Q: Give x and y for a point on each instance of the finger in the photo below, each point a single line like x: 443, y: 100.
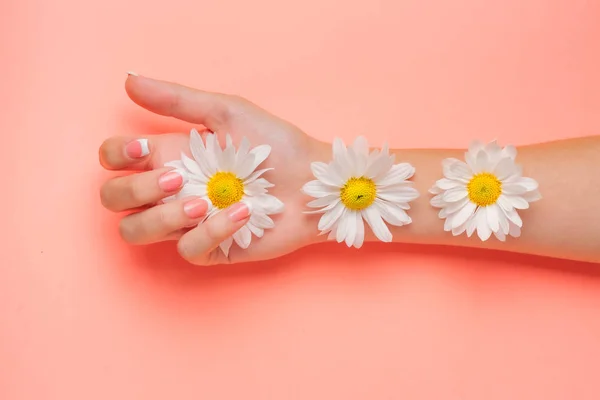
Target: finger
x: 120, y: 152
x: 157, y: 223
x: 137, y: 190
x: 212, y: 110
x: 196, y: 244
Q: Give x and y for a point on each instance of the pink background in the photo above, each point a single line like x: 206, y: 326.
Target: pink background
x: 84, y: 316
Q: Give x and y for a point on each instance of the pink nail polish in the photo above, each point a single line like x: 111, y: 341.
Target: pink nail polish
x: 138, y: 148
x: 239, y: 212
x: 195, y: 208
x: 171, y: 181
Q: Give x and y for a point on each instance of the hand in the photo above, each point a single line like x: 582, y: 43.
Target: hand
x: 142, y: 191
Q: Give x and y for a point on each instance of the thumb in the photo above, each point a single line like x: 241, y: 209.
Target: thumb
x: 173, y: 100
x: 196, y: 245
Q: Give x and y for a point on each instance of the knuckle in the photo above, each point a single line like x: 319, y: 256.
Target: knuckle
x: 105, y: 196
x: 185, y: 249
x: 135, y: 190
x: 127, y: 231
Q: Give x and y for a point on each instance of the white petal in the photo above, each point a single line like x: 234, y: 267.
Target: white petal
x: 493, y: 152
x: 192, y: 189
x: 319, y: 189
x: 503, y: 221
x: 392, y: 215
x: 361, y: 146
x: 245, y: 167
x: 458, y: 171
x: 435, y: 190
x: 475, y: 146
x: 268, y: 204
x: 213, y: 151
x: 517, y: 202
x: 323, y: 201
x: 530, y: 197
x: 340, y: 155
x: 483, y: 230
x: 471, y: 225
x: 331, y: 217
x: 243, y: 237
x: 322, y: 172
x: 505, y: 168
x: 447, y: 184
x: 513, y: 189
x: 261, y: 220
x: 243, y: 148
x: 226, y: 245
x: 455, y: 194
x: 199, y: 153
x: 529, y: 183
x: 500, y: 235
x: 463, y: 215
x: 514, y: 231
x: 493, y: 217
x: 228, y: 159
x: 381, y: 165
x: 360, y: 231
x: 350, y: 227
x: 191, y: 165
x: 255, y: 189
x: 377, y: 225
x: 451, y: 208
x: 255, y: 175
x: 438, y: 201
x: 342, y: 227
x: 258, y: 232
x: 513, y: 216
x: 510, y: 152
x: 178, y: 164
x: 260, y: 154
x: 397, y: 174
x: 481, y: 162
x: 461, y: 228
x: 403, y: 195
x: 330, y: 206
x: 357, y: 162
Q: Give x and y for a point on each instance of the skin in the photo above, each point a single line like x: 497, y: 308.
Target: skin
x: 564, y: 224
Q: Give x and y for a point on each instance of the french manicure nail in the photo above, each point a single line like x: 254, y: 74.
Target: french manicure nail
x: 195, y: 208
x: 132, y: 73
x: 239, y: 211
x: 138, y: 148
x: 171, y: 181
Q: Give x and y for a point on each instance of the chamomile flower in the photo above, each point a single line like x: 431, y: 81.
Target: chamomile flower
x: 356, y: 185
x: 484, y: 193
x: 224, y: 177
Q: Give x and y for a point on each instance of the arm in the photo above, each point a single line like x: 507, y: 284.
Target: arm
x: 565, y: 223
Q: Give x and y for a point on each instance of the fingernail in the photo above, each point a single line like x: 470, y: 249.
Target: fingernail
x: 132, y: 73
x: 171, y: 181
x: 239, y: 211
x: 195, y: 208
x: 138, y: 148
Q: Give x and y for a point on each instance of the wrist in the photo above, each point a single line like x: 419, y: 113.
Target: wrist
x: 425, y: 227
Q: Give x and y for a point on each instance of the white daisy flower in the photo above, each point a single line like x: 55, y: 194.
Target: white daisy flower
x: 224, y: 177
x: 484, y: 193
x: 357, y: 184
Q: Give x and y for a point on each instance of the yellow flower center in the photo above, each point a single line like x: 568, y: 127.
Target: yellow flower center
x: 224, y: 189
x: 358, y: 193
x: 484, y: 189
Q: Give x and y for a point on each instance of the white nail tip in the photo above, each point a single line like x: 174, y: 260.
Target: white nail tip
x: 184, y: 175
x: 132, y: 73
x: 145, y: 147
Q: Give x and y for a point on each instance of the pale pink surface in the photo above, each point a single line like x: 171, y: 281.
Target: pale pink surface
x: 84, y: 316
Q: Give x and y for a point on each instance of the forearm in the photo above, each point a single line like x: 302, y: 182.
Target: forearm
x: 565, y: 223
